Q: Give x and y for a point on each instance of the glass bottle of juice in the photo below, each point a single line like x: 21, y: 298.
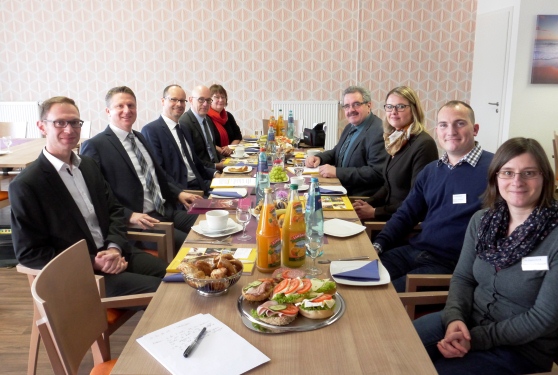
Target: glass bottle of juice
x: 268, y: 236
x: 293, y: 252
x: 280, y: 128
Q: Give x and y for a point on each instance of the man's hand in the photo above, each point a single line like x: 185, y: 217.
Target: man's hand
x: 457, y: 341
x: 219, y: 166
x: 328, y: 171
x: 142, y: 220
x: 313, y: 161
x: 364, y: 210
x: 110, y: 261
x: 187, y: 198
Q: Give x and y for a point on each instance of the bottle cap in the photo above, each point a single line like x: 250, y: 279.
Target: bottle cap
x: 314, y: 179
x: 268, y: 190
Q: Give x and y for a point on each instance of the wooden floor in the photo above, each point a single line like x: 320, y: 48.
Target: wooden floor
x: 16, y: 313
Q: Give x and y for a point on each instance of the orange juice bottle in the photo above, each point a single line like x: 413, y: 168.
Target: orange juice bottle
x: 293, y: 252
x: 280, y: 129
x: 268, y: 236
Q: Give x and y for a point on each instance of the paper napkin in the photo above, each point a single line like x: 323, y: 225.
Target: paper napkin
x: 369, y: 272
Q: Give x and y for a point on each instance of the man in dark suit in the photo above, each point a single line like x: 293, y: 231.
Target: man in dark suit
x: 359, y: 156
x: 173, y: 146
x: 127, y: 163
x: 61, y: 198
x: 201, y: 127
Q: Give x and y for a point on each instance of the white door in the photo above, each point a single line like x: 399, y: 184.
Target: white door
x: 490, y: 70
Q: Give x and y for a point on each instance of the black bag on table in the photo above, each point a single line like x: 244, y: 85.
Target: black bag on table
x: 315, y: 137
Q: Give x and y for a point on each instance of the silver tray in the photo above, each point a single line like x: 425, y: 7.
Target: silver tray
x: 300, y: 324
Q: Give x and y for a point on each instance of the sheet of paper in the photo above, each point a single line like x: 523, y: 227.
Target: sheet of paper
x: 230, y: 182
x: 242, y: 252
x: 235, y: 355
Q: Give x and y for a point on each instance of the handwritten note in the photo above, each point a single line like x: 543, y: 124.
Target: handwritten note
x: 167, y: 345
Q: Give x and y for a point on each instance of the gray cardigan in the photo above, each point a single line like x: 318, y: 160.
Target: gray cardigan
x: 523, y: 304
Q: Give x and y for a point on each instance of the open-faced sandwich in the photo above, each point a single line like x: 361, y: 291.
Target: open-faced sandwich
x: 291, y: 290
x: 258, y: 290
x: 274, y: 313
x: 243, y: 168
x: 319, y: 307
x: 287, y: 273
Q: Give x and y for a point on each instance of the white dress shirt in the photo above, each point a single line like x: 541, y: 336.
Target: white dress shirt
x: 172, y: 127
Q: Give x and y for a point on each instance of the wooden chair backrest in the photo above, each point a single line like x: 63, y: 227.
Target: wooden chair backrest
x: 72, y: 315
x: 16, y: 129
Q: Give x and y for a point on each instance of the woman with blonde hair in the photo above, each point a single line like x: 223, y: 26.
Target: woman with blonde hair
x: 410, y: 148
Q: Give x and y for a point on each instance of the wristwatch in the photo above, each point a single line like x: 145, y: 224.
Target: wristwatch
x: 378, y: 247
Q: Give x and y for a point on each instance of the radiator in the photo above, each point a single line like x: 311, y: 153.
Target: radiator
x: 22, y: 111
x: 311, y: 113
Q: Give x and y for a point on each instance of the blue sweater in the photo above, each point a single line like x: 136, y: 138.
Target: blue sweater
x: 431, y: 202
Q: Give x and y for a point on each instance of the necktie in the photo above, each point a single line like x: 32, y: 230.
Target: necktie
x: 185, y: 152
x: 208, y: 141
x: 151, y: 188
x: 343, y: 151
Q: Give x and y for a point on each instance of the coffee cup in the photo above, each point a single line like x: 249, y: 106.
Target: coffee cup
x: 298, y: 180
x: 217, y: 219
x: 312, y: 152
x: 239, y: 151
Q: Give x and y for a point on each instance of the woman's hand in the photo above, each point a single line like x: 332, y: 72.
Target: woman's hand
x: 226, y: 151
x: 457, y: 341
x: 364, y: 210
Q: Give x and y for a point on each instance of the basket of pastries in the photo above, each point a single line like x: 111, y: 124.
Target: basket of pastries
x: 211, y: 275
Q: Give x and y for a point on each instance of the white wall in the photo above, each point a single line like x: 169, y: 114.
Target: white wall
x: 533, y: 111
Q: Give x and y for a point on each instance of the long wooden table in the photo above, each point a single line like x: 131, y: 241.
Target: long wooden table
x: 22, y: 155
x: 374, y: 336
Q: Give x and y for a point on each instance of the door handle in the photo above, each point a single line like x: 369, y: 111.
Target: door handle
x: 496, y: 104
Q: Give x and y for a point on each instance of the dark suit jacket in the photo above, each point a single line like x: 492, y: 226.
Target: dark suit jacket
x: 190, y: 124
x: 107, y: 150
x: 46, y: 219
x: 363, y: 175
x: 400, y: 173
x: 168, y: 155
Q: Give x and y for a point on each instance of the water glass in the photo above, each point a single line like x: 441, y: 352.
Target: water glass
x: 243, y: 216
x: 314, y: 242
x: 296, y: 141
x: 7, y: 142
x: 299, y: 167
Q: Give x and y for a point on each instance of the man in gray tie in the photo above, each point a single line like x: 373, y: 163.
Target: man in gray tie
x: 172, y: 144
x: 127, y: 163
x: 201, y: 127
x: 359, y: 157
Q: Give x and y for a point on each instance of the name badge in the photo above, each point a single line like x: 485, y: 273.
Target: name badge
x: 459, y: 198
x: 534, y: 263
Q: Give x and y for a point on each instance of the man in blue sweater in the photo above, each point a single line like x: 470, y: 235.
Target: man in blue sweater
x: 445, y: 196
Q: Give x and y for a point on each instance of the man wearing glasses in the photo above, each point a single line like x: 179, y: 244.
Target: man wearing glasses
x: 359, y: 156
x: 62, y: 198
x: 446, y: 194
x: 173, y: 146
x: 196, y: 121
x: 130, y: 168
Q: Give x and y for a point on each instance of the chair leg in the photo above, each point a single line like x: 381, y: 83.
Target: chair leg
x: 35, y: 343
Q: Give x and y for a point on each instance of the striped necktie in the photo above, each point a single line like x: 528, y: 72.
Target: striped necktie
x: 151, y: 187
x: 343, y: 151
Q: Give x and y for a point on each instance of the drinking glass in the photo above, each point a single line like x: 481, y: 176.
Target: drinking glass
x: 8, y: 142
x: 258, y: 133
x: 296, y: 141
x: 243, y: 216
x: 314, y: 242
x: 298, y: 167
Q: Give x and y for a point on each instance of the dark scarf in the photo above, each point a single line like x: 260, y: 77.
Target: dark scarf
x: 502, y: 251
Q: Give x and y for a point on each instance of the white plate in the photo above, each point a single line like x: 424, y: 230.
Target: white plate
x: 231, y: 228
x: 227, y: 170
x: 344, y: 266
x: 4, y: 152
x: 303, y: 187
x: 342, y: 228
x: 245, y: 156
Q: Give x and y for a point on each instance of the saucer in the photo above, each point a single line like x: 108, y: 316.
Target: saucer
x: 239, y: 157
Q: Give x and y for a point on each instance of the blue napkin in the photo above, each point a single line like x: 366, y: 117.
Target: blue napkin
x: 251, y: 149
x: 227, y: 194
x: 174, y: 278
x: 329, y: 192
x: 369, y: 272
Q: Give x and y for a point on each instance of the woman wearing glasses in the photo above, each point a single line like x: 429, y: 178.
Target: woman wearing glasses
x: 409, y: 148
x: 501, y: 316
x: 228, y: 132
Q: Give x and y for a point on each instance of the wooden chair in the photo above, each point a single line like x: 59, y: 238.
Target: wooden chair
x: 414, y: 296
x: 115, y: 317
x: 72, y: 316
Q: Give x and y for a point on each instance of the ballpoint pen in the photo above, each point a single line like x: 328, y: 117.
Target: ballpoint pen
x: 193, y: 345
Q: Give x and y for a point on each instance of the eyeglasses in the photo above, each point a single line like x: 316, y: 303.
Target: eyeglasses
x: 216, y: 97
x: 525, y: 175
x: 398, y: 107
x: 201, y: 100
x: 63, y: 123
x: 174, y: 100
x: 354, y: 105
